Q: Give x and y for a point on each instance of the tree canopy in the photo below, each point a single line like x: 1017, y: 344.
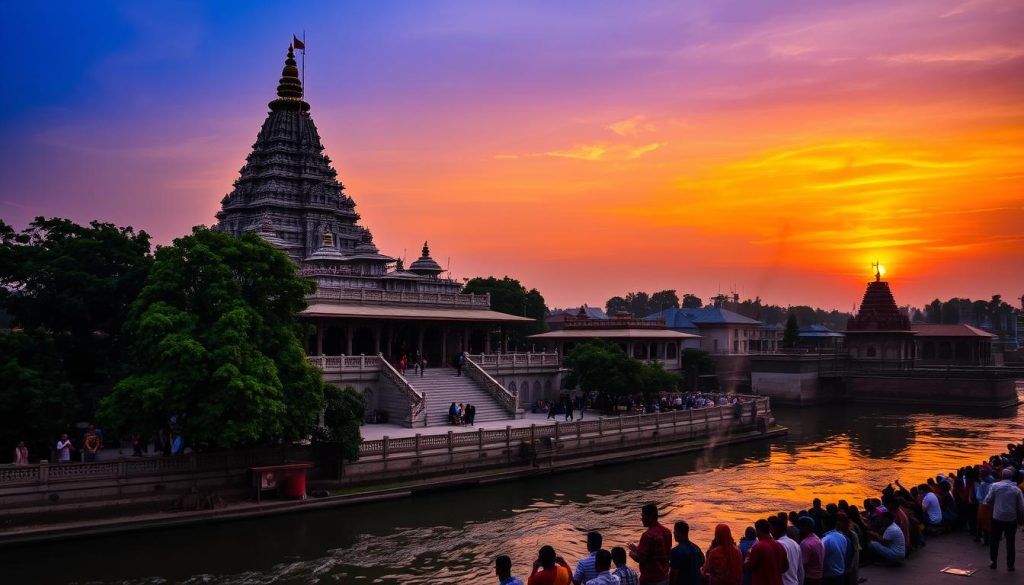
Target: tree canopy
x: 601, y: 366
x: 217, y: 346
x: 74, y: 283
x: 344, y: 412
x: 38, y: 402
x: 791, y: 335
x: 508, y: 295
x: 641, y: 304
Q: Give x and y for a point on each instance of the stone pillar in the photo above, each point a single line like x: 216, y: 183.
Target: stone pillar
x: 349, y: 333
x: 465, y: 339
x: 420, y: 331
x: 320, y: 327
x: 487, y: 341
x: 390, y: 339
x: 376, y: 339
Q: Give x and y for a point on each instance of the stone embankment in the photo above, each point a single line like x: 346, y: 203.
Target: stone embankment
x: 46, y: 502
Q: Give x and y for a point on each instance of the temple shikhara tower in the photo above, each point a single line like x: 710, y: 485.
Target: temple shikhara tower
x: 879, y: 334
x: 367, y: 303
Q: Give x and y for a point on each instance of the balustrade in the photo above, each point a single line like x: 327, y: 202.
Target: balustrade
x: 688, y: 423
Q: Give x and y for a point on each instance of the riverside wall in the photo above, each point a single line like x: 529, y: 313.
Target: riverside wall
x: 419, y: 457
x: 59, y: 493
x: 814, y: 379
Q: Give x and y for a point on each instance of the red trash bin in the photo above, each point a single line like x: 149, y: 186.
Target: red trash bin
x: 295, y: 486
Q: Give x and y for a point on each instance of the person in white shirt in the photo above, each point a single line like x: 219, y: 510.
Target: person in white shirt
x: 930, y: 503
x: 794, y: 575
x: 891, y: 546
x: 1007, y: 511
x: 64, y: 449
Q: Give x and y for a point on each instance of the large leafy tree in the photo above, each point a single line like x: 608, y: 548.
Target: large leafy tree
x: 38, y: 402
x: 217, y: 346
x: 74, y: 283
x: 508, y: 295
x: 601, y: 366
x: 338, y: 438
x: 791, y: 335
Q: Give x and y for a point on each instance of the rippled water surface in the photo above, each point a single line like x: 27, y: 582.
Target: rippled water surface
x: 452, y: 537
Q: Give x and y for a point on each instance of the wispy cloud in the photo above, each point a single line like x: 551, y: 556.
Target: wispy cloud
x: 631, y: 126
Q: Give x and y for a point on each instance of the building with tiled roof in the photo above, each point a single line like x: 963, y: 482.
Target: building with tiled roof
x: 952, y: 344
x: 721, y: 331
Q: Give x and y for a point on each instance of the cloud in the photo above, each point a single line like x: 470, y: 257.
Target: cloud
x: 992, y: 54
x: 631, y: 126
x: 603, y: 149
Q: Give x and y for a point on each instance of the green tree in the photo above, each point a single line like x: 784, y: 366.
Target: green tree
x: 38, y: 402
x: 217, y: 345
x: 508, y: 295
x: 933, y: 311
x: 75, y: 283
x: 338, y: 438
x: 600, y: 366
x: 691, y: 301
x: 661, y: 300
x: 791, y: 335
x: 614, y: 305
x: 638, y: 304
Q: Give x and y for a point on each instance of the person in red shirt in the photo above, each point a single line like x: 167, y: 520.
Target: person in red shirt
x: 766, y: 560
x: 652, y: 554
x: 550, y: 569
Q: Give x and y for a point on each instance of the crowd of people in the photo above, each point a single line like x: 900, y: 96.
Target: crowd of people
x: 461, y: 414
x: 822, y: 545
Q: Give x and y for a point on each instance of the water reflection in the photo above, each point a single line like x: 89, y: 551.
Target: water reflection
x: 453, y: 536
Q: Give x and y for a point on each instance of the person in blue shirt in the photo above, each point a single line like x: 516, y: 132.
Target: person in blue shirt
x: 585, y: 569
x: 836, y: 546
x: 686, y: 558
x: 503, y: 569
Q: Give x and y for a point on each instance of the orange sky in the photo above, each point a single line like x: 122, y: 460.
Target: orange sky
x: 775, y: 152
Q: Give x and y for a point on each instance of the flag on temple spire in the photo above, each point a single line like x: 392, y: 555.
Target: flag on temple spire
x: 298, y: 44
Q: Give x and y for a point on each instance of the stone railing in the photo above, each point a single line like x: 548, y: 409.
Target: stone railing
x: 346, y: 363
x: 377, y: 297
x: 687, y: 422
x: 48, y: 473
x: 508, y: 400
x: 417, y: 401
x: 505, y: 361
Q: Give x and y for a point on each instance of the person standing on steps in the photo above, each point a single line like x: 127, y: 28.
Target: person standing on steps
x: 460, y: 360
x: 470, y: 414
x: 423, y: 365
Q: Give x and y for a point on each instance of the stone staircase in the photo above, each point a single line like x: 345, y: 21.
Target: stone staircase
x: 443, y: 387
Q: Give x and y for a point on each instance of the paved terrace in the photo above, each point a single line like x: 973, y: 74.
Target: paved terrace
x: 373, y: 432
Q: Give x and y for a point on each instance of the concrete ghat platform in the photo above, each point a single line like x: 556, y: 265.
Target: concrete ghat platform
x: 246, y: 510
x: 957, y: 550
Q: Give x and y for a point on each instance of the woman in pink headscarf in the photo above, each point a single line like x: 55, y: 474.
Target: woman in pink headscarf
x: 724, y: 564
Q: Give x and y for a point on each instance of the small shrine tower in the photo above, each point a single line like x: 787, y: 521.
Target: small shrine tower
x: 879, y: 336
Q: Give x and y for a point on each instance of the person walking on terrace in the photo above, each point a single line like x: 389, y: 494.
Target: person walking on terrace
x: 1007, y: 512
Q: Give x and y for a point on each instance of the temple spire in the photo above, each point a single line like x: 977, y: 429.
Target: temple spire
x: 289, y: 88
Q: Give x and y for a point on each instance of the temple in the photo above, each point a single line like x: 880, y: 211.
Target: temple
x: 367, y: 304
x: 879, y: 335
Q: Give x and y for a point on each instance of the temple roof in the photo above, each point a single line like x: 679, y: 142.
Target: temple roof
x: 408, y: 312
x: 610, y: 333
x: 949, y: 330
x: 694, y: 318
x: 289, y: 89
x: 425, y: 265
x: 878, y: 311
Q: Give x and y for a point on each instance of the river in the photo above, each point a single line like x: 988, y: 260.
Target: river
x: 831, y: 452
